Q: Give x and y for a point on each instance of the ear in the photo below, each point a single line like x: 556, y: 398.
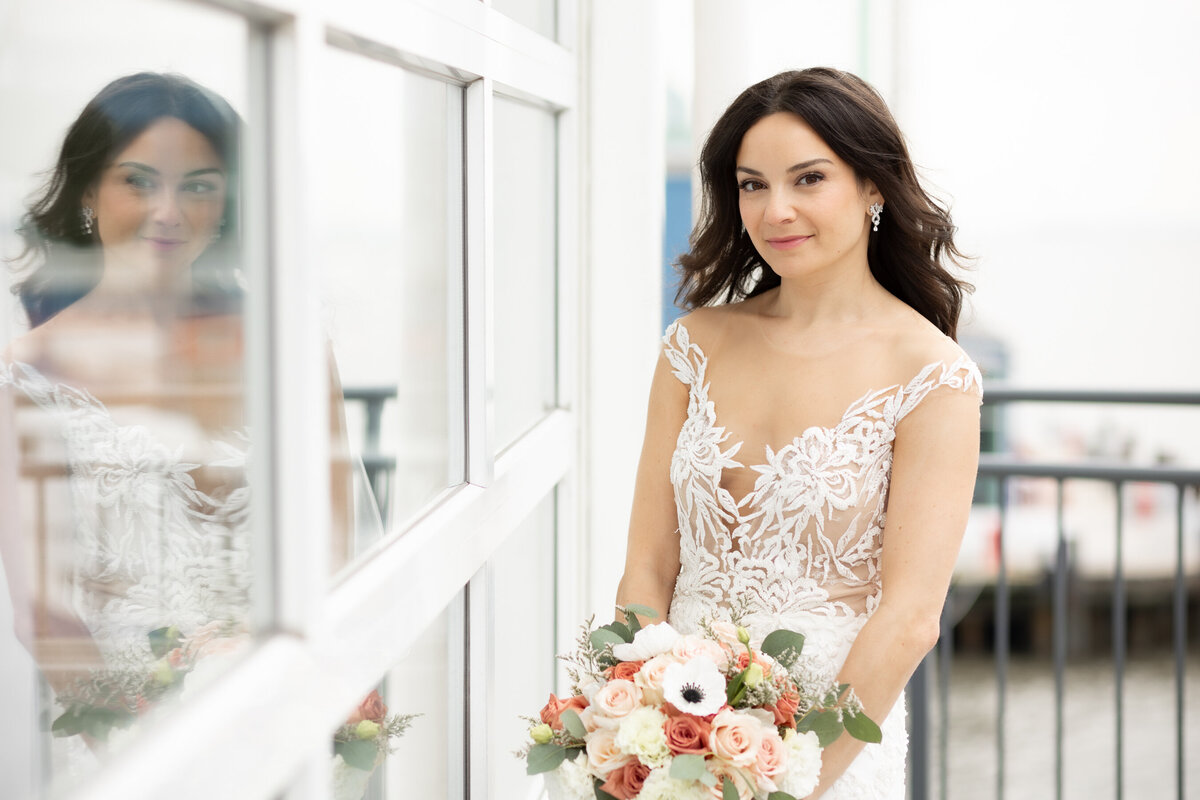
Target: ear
x: 871, y: 192
x: 88, y: 198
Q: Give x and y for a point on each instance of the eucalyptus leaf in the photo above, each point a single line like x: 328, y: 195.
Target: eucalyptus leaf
x: 736, y: 689
x: 862, y: 727
x: 573, y: 753
x: 573, y: 724
x: 640, y: 610
x: 620, y: 629
x: 783, y: 646
x: 544, y: 757
x: 67, y: 723
x: 602, y: 637
x: 360, y: 754
x: 780, y: 796
x: 825, y: 724
x: 634, y: 623
x: 728, y: 792
x: 688, y: 767
x: 163, y: 640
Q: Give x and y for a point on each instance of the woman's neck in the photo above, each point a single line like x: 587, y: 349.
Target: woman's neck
x: 837, y: 296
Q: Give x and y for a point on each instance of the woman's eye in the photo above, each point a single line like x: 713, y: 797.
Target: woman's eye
x: 810, y: 179
x: 750, y: 185
x: 199, y: 187
x: 139, y: 181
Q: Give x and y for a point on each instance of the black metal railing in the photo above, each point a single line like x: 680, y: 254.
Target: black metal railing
x: 1003, y: 470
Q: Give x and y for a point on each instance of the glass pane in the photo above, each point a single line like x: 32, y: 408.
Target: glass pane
x: 525, y: 285
x: 126, y: 528
x: 540, y: 15
x: 413, y: 719
x: 388, y: 189
x: 523, y: 581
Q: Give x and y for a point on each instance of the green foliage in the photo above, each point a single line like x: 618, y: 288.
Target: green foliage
x: 600, y: 793
x: 93, y: 721
x: 780, y: 796
x: 728, y: 792
x: 826, y: 724
x: 544, y: 757
x: 736, y: 689
x: 620, y: 629
x: 360, y: 754
x: 784, y: 646
x: 690, y: 767
x: 862, y: 727
x: 604, y: 637
x: 164, y: 640
x: 573, y: 724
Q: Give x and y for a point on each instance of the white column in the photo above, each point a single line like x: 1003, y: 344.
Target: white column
x: 623, y: 165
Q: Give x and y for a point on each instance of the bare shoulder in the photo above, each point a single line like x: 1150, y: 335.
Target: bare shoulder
x: 712, y: 326
x: 915, y: 343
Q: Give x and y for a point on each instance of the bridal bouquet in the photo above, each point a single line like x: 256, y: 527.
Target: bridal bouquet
x: 654, y: 714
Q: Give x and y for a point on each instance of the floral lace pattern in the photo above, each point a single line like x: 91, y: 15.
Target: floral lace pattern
x: 803, y: 547
x: 149, y: 548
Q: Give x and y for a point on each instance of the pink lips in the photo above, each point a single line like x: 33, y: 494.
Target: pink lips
x: 788, y: 242
x: 164, y: 245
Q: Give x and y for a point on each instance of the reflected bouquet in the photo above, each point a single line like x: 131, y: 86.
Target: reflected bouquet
x: 656, y: 714
x: 362, y: 742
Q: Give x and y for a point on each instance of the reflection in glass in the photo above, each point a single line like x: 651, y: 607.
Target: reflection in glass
x: 525, y: 283
x: 523, y: 582
x: 389, y: 195
x: 125, y: 533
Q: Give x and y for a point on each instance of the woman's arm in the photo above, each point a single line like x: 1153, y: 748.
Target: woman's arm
x: 652, y: 553
x: 935, y: 457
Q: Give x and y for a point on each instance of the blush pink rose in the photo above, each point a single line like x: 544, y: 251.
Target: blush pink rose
x: 626, y: 782
x: 551, y: 713
x: 602, y: 752
x: 736, y: 737
x: 785, y: 708
x: 721, y: 770
x: 650, y: 676
x: 772, y: 755
x: 726, y: 632
x: 688, y: 647
x: 372, y: 708
x: 617, y: 698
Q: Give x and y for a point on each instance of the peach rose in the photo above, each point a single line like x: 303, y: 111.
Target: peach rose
x: 623, y: 670
x: 735, y: 737
x: 687, y: 734
x: 721, y: 770
x: 371, y: 708
x: 617, y: 698
x: 649, y: 678
x: 551, y: 713
x: 743, y: 661
x: 602, y: 752
x: 785, y: 709
x: 688, y: 647
x: 726, y: 632
x: 772, y: 755
x: 625, y: 782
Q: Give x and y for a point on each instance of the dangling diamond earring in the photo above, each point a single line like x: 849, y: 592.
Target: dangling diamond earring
x: 89, y: 218
x: 876, y: 210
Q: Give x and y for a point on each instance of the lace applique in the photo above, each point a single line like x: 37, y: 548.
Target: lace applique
x: 808, y: 536
x: 150, y: 549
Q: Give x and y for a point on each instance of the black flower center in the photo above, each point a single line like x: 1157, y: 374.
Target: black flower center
x: 691, y: 693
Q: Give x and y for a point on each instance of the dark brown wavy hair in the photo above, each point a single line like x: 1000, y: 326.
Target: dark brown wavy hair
x: 64, y: 261
x: 907, y: 255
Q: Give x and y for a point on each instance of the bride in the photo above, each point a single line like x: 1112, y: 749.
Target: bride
x: 813, y: 427
x: 123, y: 434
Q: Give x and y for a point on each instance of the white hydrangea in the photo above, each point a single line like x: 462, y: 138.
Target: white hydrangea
x: 641, y: 734
x: 660, y: 785
x: 803, y: 764
x: 571, y: 781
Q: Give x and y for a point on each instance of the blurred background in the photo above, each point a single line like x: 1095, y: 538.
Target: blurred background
x: 475, y: 206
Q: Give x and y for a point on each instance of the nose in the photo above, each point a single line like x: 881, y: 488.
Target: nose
x: 779, y: 208
x: 166, y: 211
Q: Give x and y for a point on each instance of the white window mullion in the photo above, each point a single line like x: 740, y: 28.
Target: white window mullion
x: 478, y: 283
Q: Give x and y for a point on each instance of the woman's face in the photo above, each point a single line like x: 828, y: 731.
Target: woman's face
x: 159, y: 202
x: 803, y: 207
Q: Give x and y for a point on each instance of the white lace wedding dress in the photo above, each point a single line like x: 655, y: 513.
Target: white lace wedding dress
x: 803, y: 548
x: 140, y: 545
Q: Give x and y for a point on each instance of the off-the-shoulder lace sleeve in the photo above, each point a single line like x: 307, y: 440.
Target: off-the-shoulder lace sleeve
x: 961, y: 375
x: 687, y: 360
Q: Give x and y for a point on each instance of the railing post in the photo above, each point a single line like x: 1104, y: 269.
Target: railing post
x: 918, y: 732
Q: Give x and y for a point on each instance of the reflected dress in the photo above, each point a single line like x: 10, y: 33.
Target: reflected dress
x: 801, y: 550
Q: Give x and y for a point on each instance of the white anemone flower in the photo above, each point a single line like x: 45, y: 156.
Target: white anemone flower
x: 648, y: 642
x: 696, y: 687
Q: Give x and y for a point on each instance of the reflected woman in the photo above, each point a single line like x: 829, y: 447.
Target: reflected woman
x: 124, y: 403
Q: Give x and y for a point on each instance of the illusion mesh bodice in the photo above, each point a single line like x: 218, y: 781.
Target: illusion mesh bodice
x: 147, y: 548
x: 802, y: 549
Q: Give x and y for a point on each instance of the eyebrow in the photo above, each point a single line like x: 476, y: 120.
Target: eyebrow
x: 794, y: 168
x: 153, y: 171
